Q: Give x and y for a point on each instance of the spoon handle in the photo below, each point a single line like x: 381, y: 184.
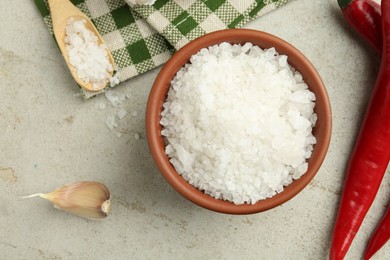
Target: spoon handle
x: 61, y: 10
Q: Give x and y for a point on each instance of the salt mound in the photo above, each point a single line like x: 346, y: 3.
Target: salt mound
x: 238, y: 122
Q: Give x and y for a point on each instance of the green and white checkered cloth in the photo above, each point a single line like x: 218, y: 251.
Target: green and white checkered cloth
x: 142, y: 37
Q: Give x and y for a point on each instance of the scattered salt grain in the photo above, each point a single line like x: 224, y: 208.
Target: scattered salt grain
x: 121, y: 113
x: 137, y: 136
x: 114, y: 80
x: 110, y: 122
x: 238, y: 122
x: 88, y: 57
x: 134, y: 113
x: 114, y: 100
x: 102, y: 106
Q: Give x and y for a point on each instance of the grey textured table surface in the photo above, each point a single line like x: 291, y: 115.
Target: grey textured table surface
x: 50, y: 136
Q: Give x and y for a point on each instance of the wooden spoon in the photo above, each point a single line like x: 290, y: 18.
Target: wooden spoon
x: 61, y: 12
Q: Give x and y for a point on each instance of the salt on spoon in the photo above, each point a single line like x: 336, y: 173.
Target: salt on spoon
x: 64, y: 12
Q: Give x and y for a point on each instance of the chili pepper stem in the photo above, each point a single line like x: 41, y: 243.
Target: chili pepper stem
x: 364, y: 16
x: 344, y: 3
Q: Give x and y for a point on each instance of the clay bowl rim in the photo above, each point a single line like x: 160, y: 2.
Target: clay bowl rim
x: 158, y: 95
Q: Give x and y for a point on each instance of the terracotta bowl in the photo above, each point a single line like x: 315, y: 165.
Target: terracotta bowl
x: 322, y: 130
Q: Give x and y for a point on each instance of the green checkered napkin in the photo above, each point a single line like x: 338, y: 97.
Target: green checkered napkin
x: 142, y: 37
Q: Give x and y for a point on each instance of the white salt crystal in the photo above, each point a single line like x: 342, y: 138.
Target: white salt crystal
x: 169, y: 149
x: 164, y: 121
x: 102, y: 106
x: 137, y: 136
x: 238, y: 122
x: 121, y: 113
x: 246, y: 47
x: 134, y: 113
x: 110, y: 122
x: 298, y: 77
x: 300, y: 170
x: 114, y: 100
x: 165, y: 132
x: 114, y: 80
x: 282, y: 61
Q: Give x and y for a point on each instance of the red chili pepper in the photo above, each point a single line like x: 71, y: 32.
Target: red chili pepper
x: 370, y: 157
x: 365, y: 17
x: 380, y: 237
x: 371, y: 31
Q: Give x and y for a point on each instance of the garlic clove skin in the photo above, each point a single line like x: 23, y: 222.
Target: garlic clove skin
x: 86, y: 199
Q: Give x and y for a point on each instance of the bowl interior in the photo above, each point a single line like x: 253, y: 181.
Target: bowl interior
x: 322, y: 130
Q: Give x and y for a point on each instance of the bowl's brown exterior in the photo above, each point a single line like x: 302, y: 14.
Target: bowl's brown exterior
x: 322, y: 130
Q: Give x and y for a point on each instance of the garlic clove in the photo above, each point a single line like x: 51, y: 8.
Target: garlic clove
x: 86, y: 199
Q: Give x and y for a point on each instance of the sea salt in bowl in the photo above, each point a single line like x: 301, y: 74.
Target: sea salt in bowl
x: 158, y: 95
